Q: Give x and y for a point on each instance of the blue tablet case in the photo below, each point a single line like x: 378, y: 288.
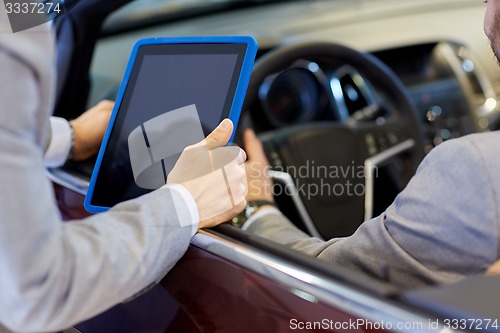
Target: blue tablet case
x: 235, y: 109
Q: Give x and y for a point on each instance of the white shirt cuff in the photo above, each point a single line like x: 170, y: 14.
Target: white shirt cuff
x: 260, y: 213
x: 60, y: 143
x: 190, y: 203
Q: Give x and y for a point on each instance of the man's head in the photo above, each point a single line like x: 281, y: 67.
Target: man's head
x: 492, y: 25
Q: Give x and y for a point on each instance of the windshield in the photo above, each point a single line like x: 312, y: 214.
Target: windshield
x: 149, y: 12
x: 145, y: 7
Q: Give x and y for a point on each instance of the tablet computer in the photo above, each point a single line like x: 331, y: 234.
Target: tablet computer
x: 174, y: 92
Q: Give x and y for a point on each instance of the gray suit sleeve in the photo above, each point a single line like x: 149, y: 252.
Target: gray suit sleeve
x: 54, y: 274
x: 441, y: 228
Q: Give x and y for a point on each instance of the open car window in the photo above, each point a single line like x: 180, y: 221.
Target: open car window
x: 446, y: 69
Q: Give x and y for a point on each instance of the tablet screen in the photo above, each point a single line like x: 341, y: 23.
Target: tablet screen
x: 200, y: 78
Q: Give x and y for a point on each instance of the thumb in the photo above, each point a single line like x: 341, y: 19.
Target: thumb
x: 221, y: 135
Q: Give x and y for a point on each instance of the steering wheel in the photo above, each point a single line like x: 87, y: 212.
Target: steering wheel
x: 330, y: 168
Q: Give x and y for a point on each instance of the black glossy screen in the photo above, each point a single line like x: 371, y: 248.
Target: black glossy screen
x: 164, y: 78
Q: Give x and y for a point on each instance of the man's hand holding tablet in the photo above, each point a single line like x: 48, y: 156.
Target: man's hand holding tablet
x: 215, y: 176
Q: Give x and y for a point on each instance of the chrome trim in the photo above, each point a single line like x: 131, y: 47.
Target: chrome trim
x: 292, y: 276
x: 455, y: 54
x: 338, y: 97
x: 371, y: 164
x: 290, y: 188
x: 66, y: 179
x: 71, y: 330
x: 336, y: 90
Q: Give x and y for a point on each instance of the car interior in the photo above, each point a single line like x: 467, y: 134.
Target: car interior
x: 334, y: 82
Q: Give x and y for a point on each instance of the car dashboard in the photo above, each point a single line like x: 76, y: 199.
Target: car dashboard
x: 451, y: 93
x: 447, y: 67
